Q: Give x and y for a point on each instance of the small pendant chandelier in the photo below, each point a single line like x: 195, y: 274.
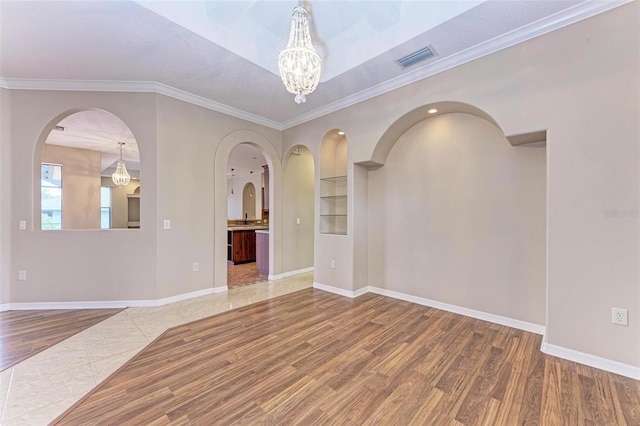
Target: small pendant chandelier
x: 232, y: 175
x: 299, y: 64
x: 121, y: 177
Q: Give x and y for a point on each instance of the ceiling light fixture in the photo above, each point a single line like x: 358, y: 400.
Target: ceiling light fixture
x: 121, y: 177
x: 232, y: 175
x: 299, y: 64
x: 432, y: 111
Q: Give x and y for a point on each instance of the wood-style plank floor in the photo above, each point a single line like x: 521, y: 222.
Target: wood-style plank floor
x: 312, y: 357
x: 25, y: 333
x: 243, y: 274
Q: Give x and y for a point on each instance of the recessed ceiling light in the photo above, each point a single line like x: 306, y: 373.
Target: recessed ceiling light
x: 432, y: 111
x: 254, y: 158
x: 341, y: 133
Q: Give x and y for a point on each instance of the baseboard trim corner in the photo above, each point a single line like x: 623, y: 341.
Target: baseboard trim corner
x: 591, y: 360
x: 340, y: 291
x: 221, y: 289
x: 484, y: 316
x: 289, y: 273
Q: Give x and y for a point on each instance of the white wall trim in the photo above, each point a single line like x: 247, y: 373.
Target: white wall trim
x: 497, y: 319
x: 221, y: 289
x: 340, y: 291
x: 135, y: 87
x: 290, y: 273
x: 109, y: 304
x: 484, y: 316
x: 566, y: 17
x: 591, y: 360
x: 535, y: 29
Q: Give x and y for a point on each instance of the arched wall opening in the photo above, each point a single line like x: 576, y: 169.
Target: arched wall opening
x: 221, y: 190
x: 74, y: 159
x: 298, y: 216
x: 457, y: 215
x: 249, y: 201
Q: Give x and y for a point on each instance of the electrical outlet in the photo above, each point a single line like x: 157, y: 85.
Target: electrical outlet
x: 297, y: 221
x: 166, y: 224
x: 22, y: 275
x: 23, y: 225
x: 333, y: 264
x: 619, y: 316
x: 196, y: 266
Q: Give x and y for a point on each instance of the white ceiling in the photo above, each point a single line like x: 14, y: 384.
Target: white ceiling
x: 223, y: 54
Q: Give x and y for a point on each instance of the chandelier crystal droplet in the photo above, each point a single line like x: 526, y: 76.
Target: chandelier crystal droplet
x: 121, y: 177
x: 299, y: 64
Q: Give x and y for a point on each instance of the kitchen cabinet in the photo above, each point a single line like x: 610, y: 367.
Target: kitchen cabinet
x: 241, y: 246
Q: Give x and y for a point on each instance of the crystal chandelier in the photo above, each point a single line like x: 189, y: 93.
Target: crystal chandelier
x: 121, y: 177
x: 299, y: 63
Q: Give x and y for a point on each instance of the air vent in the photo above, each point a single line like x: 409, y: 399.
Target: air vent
x: 59, y: 128
x: 415, y: 57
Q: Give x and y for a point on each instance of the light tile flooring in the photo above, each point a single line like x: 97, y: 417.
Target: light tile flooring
x: 39, y: 389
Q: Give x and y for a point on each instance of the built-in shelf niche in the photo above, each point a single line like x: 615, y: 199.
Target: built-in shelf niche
x: 333, y: 185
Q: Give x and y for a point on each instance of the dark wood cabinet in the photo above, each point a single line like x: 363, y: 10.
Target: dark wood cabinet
x: 241, y: 246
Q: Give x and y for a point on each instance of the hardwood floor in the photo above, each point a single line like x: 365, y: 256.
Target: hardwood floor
x: 25, y: 333
x: 243, y: 274
x: 313, y: 357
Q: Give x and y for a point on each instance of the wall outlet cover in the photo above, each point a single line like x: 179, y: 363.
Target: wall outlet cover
x: 619, y: 316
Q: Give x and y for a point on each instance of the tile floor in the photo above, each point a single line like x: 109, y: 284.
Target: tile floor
x: 39, y: 389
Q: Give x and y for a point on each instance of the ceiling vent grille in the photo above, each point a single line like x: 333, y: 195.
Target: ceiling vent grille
x: 415, y: 57
x: 59, y: 128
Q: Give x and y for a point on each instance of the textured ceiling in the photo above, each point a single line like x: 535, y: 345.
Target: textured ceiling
x: 115, y: 45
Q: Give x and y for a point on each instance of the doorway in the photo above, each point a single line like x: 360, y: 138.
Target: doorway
x: 245, y: 214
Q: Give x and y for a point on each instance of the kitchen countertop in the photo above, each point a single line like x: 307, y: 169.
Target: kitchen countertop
x: 262, y: 231
x: 248, y: 228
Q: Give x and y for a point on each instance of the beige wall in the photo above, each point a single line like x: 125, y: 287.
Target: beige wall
x: 234, y: 206
x: 193, y: 149
x: 581, y: 85
x: 6, y: 213
x: 80, y: 185
x: 457, y: 215
x: 120, y: 202
x: 298, y: 197
x: 78, y: 265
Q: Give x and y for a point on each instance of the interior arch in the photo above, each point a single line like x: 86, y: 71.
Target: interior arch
x: 271, y: 156
x: 411, y: 118
x: 95, y: 134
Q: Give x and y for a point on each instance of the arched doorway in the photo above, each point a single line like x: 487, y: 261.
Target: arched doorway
x: 221, y: 189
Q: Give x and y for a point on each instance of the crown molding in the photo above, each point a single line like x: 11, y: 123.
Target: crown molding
x: 543, y: 26
x: 535, y: 29
x: 135, y: 87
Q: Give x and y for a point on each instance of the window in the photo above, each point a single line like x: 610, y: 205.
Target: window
x: 51, y: 196
x: 105, y: 207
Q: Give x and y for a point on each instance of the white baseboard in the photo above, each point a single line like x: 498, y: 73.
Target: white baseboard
x: 340, y: 291
x: 290, y: 273
x: 591, y: 360
x: 497, y: 319
x: 110, y: 304
x: 221, y: 289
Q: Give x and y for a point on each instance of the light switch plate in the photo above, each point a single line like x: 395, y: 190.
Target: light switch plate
x: 166, y: 224
x: 23, y: 225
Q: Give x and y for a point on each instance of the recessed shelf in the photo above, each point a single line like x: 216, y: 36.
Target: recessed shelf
x: 334, y: 197
x: 334, y: 178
